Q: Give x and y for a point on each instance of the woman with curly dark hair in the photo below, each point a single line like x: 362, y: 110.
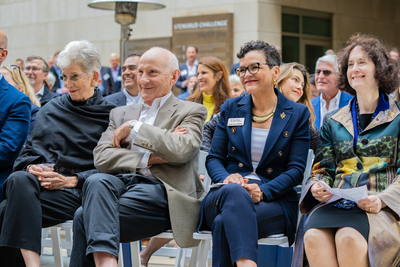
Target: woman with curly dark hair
x: 258, y: 154
x: 358, y: 146
x: 213, y: 85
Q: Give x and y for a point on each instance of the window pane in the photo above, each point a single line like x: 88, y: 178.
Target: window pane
x: 290, y: 23
x: 317, y: 26
x: 290, y: 49
x: 313, y: 52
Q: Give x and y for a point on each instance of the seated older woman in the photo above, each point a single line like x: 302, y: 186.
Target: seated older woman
x: 66, y: 131
x: 358, y: 147
x: 259, y: 153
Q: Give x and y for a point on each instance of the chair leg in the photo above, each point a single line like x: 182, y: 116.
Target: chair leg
x: 45, y: 233
x: 195, y: 256
x: 203, y: 254
x: 135, y: 253
x: 56, y: 241
x: 178, y: 258
x: 120, y: 257
x: 68, y: 237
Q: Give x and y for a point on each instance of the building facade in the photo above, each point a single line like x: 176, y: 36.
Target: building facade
x: 304, y: 29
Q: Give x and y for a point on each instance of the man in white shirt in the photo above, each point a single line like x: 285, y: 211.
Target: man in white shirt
x: 331, y: 98
x: 130, y: 95
x: 36, y: 69
x: 189, y: 68
x: 148, y: 157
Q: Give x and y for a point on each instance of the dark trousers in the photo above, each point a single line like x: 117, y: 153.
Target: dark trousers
x: 26, y: 208
x: 237, y: 223
x: 116, y: 209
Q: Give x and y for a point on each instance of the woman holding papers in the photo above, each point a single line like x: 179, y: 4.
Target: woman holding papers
x: 259, y: 152
x: 358, y: 147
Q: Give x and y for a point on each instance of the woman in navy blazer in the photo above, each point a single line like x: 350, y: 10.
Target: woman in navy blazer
x: 259, y: 151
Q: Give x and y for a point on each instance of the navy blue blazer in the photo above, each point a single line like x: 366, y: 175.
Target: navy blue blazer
x: 183, y: 77
x: 116, y: 85
x: 316, y: 103
x: 47, y: 96
x: 118, y: 99
x: 15, y: 115
x: 107, y: 80
x: 284, y: 158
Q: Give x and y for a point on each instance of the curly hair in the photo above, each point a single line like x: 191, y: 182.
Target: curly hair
x: 221, y: 91
x: 386, y: 69
x: 271, y: 54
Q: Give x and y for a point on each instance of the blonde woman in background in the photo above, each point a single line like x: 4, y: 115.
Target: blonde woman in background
x: 294, y: 83
x: 18, y: 79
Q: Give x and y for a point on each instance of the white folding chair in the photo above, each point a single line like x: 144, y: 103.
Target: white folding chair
x: 55, y: 242
x: 203, y: 254
x: 181, y: 255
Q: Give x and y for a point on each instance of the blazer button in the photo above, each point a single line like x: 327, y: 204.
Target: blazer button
x: 269, y: 170
x: 240, y: 165
x: 286, y: 134
x: 233, y: 149
x: 364, y: 141
x: 280, y: 154
x: 359, y: 165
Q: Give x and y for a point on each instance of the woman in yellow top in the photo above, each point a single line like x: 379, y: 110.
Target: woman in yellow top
x: 213, y: 88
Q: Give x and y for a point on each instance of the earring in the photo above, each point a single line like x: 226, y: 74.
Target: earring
x: 274, y: 83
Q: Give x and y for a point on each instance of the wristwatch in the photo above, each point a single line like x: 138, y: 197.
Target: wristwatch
x: 132, y: 124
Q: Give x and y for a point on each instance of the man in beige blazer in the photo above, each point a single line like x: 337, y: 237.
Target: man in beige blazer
x: 149, y: 181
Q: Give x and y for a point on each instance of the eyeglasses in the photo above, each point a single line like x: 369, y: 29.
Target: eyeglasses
x: 252, y: 68
x: 34, y: 69
x: 325, y: 72
x: 74, y: 78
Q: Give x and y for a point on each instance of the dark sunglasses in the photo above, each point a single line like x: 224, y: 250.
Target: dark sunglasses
x: 325, y: 72
x: 16, y: 67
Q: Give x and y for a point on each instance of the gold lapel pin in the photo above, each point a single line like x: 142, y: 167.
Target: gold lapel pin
x: 283, y: 115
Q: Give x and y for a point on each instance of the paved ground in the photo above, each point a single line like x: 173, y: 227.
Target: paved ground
x: 48, y: 261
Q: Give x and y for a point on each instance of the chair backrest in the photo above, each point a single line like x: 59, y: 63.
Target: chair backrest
x: 306, y: 175
x: 307, y: 171
x: 203, y: 170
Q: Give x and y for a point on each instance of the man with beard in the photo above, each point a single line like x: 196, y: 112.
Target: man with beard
x: 36, y: 70
x: 130, y: 95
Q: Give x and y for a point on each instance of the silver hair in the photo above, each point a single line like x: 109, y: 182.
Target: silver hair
x: 114, y: 55
x: 172, y: 59
x: 51, y: 78
x: 331, y: 59
x: 233, y: 78
x: 80, y: 52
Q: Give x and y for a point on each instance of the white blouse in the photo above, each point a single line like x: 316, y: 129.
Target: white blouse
x: 258, y: 139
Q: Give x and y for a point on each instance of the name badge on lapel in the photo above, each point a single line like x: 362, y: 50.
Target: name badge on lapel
x: 236, y: 122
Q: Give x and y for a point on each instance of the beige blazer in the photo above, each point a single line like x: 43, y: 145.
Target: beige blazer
x: 184, y: 188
